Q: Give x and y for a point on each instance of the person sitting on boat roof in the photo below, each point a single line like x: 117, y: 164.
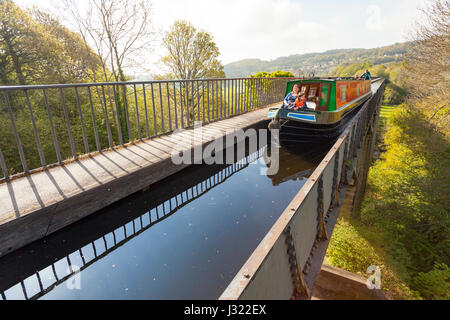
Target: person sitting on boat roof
x: 366, y: 75
x: 289, y: 101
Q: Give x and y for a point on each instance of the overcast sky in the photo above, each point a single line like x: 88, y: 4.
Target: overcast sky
x: 267, y: 29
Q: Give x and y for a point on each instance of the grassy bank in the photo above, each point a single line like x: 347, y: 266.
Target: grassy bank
x: 385, y: 112
x: 403, y: 227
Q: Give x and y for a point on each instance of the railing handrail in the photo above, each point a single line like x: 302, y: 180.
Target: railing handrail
x: 92, y: 84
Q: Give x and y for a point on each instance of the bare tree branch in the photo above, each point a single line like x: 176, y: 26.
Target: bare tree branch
x: 120, y: 31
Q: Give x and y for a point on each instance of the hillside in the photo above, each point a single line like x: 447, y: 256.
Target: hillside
x: 319, y: 63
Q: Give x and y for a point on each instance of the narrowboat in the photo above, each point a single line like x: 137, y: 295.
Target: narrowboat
x: 330, y: 104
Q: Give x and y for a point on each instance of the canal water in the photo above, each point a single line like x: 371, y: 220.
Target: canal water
x: 184, y: 237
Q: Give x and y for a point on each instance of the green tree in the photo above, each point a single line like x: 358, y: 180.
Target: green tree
x: 24, y: 48
x: 274, y: 74
x: 36, y: 48
x: 75, y: 61
x: 428, y: 64
x: 191, y: 53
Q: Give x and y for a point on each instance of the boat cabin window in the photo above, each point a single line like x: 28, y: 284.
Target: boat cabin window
x: 311, y: 92
x: 303, y: 89
x: 358, y: 88
x: 343, y: 93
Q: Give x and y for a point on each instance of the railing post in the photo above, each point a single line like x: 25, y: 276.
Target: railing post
x: 175, y: 104
x: 198, y: 101
x: 83, y: 129
x: 186, y: 93
x: 203, y: 101
x: 137, y: 113
x: 94, y: 122
x: 222, y: 98
x: 3, y: 164
x: 36, y: 133
x: 16, y: 134
x: 69, y: 130
x: 232, y: 98
x: 217, y: 100
x: 181, y: 104
x: 168, y: 105
x: 155, y: 128
x: 193, y: 101
x: 108, y: 127
x: 146, y: 112
x: 207, y: 95
x: 161, y: 107
x: 241, y: 100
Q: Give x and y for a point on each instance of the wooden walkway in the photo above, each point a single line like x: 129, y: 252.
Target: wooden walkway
x: 39, y: 204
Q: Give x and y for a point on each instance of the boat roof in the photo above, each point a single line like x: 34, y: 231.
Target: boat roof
x: 325, y: 79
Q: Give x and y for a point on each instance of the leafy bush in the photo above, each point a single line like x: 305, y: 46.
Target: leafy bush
x: 355, y: 246
x: 403, y: 226
x: 435, y: 283
x: 393, y: 94
x: 348, y: 250
x: 409, y: 196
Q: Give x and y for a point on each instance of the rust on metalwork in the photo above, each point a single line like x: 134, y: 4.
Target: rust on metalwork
x: 335, y: 196
x: 321, y: 211
x: 301, y: 290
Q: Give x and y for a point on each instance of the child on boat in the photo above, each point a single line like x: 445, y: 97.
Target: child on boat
x: 300, y: 103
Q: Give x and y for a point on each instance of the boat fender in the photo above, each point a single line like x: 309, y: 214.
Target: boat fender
x: 274, y: 124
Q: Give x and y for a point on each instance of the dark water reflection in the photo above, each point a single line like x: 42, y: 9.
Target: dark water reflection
x: 183, y: 238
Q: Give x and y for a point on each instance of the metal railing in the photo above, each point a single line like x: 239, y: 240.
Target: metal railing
x: 288, y: 259
x: 70, y: 262
x: 42, y: 125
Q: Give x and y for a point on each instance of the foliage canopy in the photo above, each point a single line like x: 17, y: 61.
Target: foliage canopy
x: 36, y: 48
x: 191, y: 53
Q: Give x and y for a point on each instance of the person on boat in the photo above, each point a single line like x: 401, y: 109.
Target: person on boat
x: 366, y: 75
x: 289, y: 101
x: 300, y: 102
